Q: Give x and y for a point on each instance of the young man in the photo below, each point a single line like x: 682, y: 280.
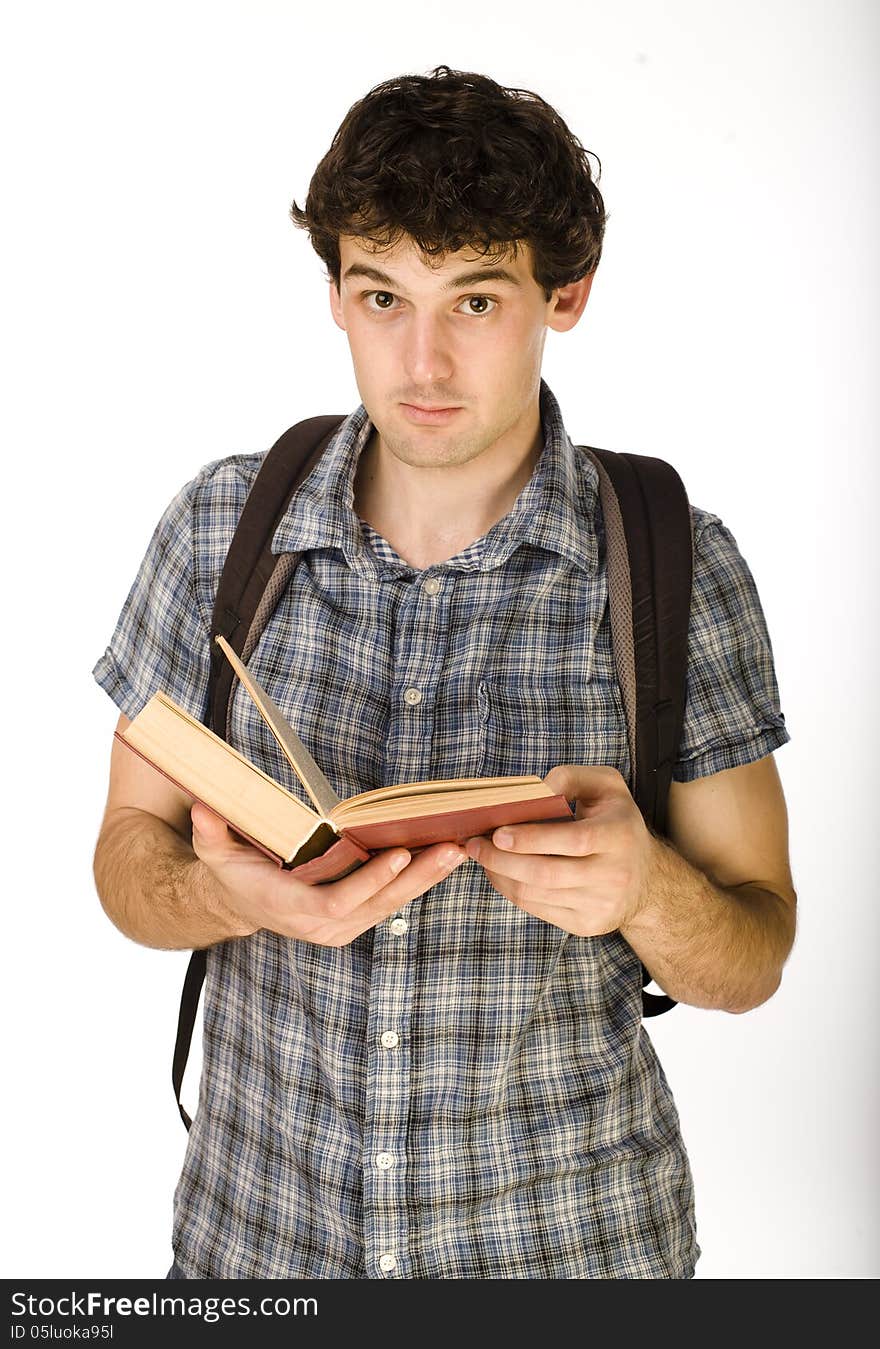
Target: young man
x: 436, y: 1067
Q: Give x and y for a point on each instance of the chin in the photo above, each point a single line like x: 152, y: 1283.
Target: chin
x: 422, y: 456
x: 433, y: 450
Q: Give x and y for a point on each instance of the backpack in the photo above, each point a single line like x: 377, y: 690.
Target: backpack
x: 649, y: 559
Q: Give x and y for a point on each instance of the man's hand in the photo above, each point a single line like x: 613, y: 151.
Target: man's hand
x: 587, y: 876
x: 256, y: 892
x: 710, y: 913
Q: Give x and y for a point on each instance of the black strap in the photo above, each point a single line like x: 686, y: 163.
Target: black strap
x: 189, y: 1003
x: 250, y: 561
x: 656, y: 518
x: 657, y: 524
x: 246, y: 572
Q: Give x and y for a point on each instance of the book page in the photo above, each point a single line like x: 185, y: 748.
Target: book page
x: 210, y: 770
x: 313, y: 780
x: 438, y: 787
x: 452, y: 798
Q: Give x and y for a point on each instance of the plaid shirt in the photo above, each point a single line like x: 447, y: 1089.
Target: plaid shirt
x: 464, y: 1091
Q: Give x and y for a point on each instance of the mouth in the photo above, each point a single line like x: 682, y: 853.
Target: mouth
x: 428, y: 415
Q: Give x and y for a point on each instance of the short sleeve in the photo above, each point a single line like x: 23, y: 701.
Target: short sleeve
x: 161, y: 640
x: 732, y: 712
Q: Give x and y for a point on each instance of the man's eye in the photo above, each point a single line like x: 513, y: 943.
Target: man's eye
x: 477, y: 305
x: 380, y: 299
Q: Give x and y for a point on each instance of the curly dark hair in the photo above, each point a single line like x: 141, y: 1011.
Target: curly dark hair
x: 454, y: 160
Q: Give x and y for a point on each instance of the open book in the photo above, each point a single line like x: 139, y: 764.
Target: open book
x: 326, y: 842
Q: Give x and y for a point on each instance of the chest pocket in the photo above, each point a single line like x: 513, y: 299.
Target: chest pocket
x: 532, y: 724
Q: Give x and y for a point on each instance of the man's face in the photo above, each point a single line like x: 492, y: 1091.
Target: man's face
x: 447, y: 356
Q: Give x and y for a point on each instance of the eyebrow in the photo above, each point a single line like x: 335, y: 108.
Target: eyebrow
x: 460, y: 282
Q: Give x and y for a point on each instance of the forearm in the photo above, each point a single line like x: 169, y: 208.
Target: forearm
x: 155, y: 889
x: 707, y: 945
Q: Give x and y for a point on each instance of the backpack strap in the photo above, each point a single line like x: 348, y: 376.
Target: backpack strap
x: 649, y: 559
x: 649, y: 551
x: 251, y: 584
x: 248, y: 583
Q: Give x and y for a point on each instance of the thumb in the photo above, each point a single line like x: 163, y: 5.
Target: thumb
x: 209, y: 829
x: 584, y: 783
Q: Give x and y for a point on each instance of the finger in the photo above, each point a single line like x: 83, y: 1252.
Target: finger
x: 426, y: 869
x: 537, y: 871
x: 553, y: 838
x: 208, y: 827
x: 384, y: 883
x: 562, y: 908
x: 423, y: 872
x: 420, y: 876
x: 583, y: 783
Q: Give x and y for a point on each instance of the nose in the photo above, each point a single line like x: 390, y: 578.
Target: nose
x: 427, y: 355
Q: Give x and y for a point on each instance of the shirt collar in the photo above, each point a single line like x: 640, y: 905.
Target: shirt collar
x: 321, y: 513
x: 555, y: 511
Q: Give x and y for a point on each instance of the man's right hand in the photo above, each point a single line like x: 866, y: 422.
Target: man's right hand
x: 253, y: 889
x: 170, y: 874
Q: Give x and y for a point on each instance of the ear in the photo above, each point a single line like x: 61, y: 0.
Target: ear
x: 336, y: 306
x: 566, y: 304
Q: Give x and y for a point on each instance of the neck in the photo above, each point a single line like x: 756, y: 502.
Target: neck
x: 429, y: 514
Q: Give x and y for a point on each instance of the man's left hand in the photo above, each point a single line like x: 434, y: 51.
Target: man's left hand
x: 588, y: 875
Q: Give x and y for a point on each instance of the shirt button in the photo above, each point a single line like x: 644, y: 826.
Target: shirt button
x: 431, y: 586
x: 413, y: 697
x: 384, y: 1161
x: 387, y: 1262
x: 399, y: 926
x: 390, y: 1039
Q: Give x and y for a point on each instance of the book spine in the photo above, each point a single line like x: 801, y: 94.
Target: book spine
x: 342, y: 857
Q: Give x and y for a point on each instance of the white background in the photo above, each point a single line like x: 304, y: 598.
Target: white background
x: 160, y: 311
